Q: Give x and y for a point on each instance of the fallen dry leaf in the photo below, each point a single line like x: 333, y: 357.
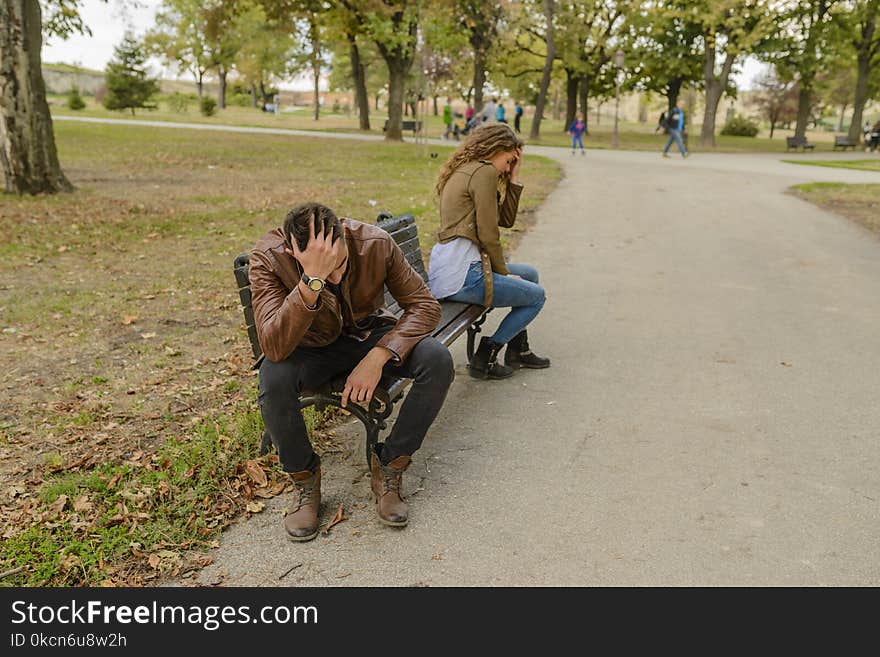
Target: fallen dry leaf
x: 255, y: 472
x: 339, y: 517
x: 82, y: 504
x: 128, y: 319
x: 57, y: 507
x: 154, y: 560
x: 255, y: 507
x: 147, y: 336
x: 275, y: 489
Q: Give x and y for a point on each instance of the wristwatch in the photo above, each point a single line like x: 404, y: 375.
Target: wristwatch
x: 313, y: 283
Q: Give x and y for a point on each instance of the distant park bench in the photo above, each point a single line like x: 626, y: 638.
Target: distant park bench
x: 844, y: 142
x: 456, y: 319
x: 798, y: 142
x: 414, y: 126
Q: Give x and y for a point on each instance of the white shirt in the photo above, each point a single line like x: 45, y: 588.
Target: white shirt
x: 449, y: 266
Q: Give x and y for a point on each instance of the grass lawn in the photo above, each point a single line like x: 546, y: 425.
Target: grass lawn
x: 632, y: 135
x: 128, y: 419
x: 862, y: 165
x: 860, y: 203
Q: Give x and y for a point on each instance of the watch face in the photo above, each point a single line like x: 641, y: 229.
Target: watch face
x: 316, y: 284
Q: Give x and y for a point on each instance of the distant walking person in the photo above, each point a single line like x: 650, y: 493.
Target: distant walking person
x: 517, y: 116
x: 487, y: 114
x: 675, y: 124
x: 447, y: 118
x: 501, y: 114
x: 577, y: 129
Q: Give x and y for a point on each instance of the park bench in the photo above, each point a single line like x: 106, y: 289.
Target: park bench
x: 456, y: 319
x: 798, y: 142
x: 844, y: 142
x: 414, y: 126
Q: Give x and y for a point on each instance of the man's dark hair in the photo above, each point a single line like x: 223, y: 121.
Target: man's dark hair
x: 296, y: 223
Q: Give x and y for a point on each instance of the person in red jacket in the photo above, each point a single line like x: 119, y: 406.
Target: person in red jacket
x: 577, y: 129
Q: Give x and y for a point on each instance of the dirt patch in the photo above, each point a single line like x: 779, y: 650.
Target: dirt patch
x: 860, y: 203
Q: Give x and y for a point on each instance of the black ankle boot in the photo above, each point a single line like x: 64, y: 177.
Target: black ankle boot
x: 519, y: 355
x: 484, y: 366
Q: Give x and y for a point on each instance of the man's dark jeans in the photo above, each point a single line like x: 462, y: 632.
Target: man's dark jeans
x: 429, y: 365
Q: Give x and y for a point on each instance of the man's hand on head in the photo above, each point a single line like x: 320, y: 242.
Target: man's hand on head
x: 364, y: 378
x: 322, y: 254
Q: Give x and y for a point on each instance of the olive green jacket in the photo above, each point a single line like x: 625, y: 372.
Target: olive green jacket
x: 471, y: 206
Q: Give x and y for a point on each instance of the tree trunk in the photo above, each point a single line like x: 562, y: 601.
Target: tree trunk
x: 479, y: 78
x: 253, y: 95
x: 715, y: 86
x: 200, y: 87
x: 436, y: 113
x: 571, y: 89
x: 396, y: 82
x: 360, y: 84
x: 316, y: 77
x: 583, y: 96
x: 673, y: 89
x: 805, y: 103
x: 263, y: 91
x: 221, y: 93
x: 315, y: 42
x: 714, y: 91
x: 377, y: 103
x: 842, y: 114
x: 27, y: 143
x: 864, y: 72
x: 549, y: 7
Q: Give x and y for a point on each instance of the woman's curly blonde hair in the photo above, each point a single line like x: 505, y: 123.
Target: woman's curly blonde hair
x: 483, y: 143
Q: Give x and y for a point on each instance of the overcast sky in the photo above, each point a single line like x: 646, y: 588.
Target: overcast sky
x: 109, y: 21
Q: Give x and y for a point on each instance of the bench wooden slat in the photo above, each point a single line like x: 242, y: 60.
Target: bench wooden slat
x: 406, y: 233
x: 411, y: 246
x: 397, y: 223
x: 455, y: 319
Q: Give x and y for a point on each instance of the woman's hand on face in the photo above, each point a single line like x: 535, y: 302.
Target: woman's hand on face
x: 514, y: 167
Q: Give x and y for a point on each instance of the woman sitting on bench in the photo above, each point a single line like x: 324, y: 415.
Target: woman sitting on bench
x: 479, y: 190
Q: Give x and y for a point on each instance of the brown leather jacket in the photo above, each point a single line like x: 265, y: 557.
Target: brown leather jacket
x: 284, y: 322
x: 471, y: 207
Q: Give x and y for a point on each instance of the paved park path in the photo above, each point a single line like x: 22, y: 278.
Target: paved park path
x: 711, y: 416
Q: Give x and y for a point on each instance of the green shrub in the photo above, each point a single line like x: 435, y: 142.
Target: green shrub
x: 740, y: 126
x: 239, y: 100
x: 208, y: 106
x: 74, y: 99
x: 179, y: 102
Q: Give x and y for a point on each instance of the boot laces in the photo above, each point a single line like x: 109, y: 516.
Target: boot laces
x: 305, y: 491
x: 391, y: 482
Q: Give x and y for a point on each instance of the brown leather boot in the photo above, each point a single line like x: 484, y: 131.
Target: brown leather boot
x: 301, y: 521
x: 386, y: 482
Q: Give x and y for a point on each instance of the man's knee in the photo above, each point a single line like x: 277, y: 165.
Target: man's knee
x: 280, y: 379
x: 433, y: 361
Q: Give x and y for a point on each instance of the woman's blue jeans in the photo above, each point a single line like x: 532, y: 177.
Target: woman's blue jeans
x: 523, y: 295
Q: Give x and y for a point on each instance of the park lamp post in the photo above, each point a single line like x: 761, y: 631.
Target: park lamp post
x: 618, y: 62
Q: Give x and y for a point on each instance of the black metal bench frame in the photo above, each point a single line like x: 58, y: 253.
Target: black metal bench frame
x: 843, y: 141
x: 798, y: 142
x: 457, y: 318
x: 413, y: 126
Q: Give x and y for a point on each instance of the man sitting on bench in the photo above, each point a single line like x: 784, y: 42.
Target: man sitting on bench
x: 317, y: 287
